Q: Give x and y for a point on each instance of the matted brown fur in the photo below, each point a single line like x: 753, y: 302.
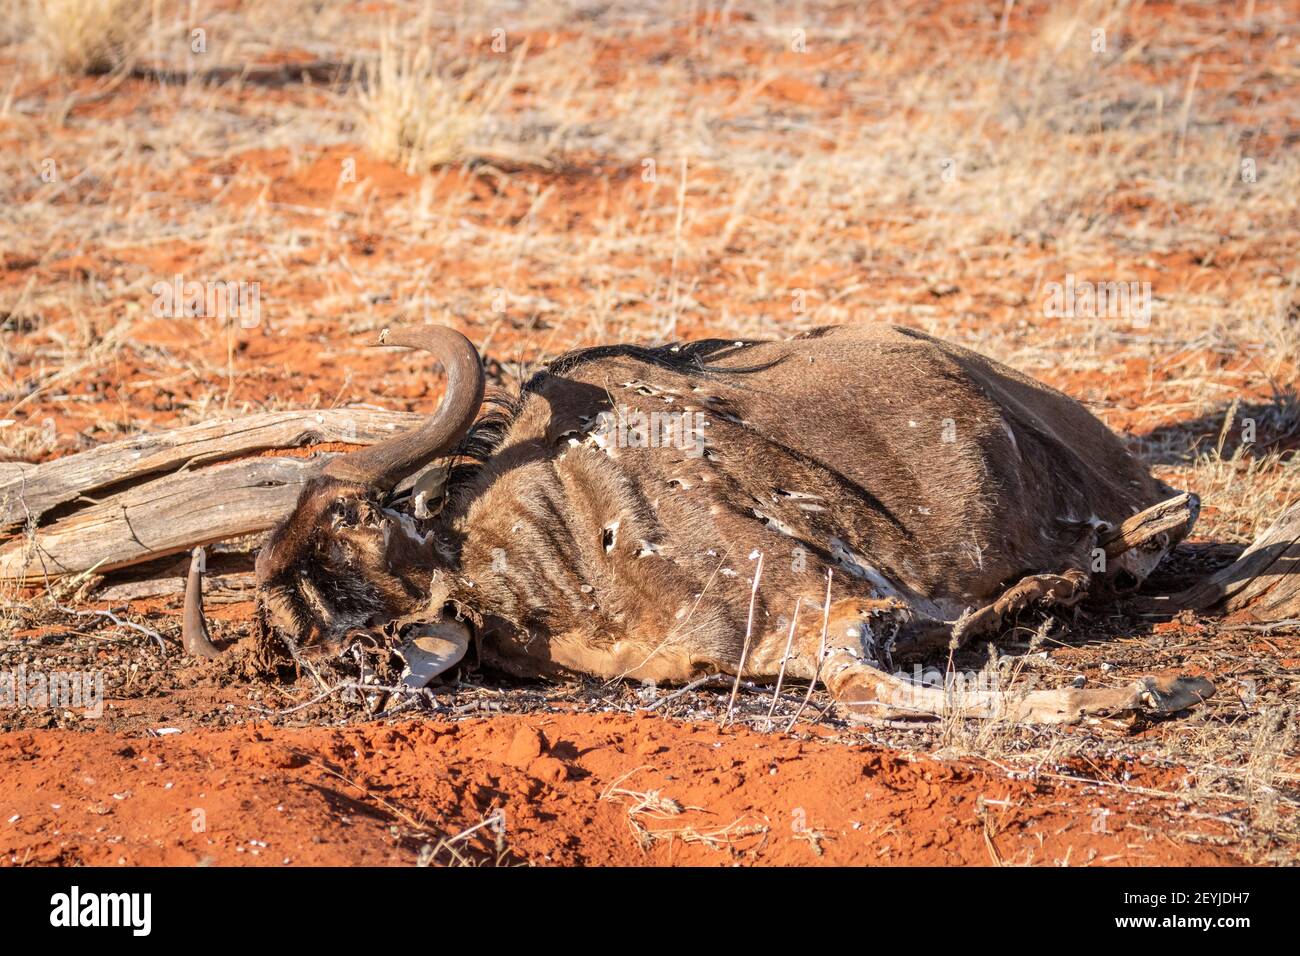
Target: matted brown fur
x: 928, y: 477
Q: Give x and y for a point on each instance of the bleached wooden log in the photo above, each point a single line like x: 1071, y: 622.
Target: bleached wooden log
x: 1264, y: 581
x: 217, y: 588
x: 168, y: 514
x: 28, y: 490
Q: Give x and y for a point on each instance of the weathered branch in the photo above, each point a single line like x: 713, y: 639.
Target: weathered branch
x: 217, y: 588
x: 28, y: 490
x: 1264, y: 581
x: 163, y: 516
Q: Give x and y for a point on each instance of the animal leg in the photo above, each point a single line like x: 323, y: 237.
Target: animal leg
x: 866, y: 694
x: 871, y: 629
x: 1135, y: 547
x: 1139, y: 544
x: 1046, y: 590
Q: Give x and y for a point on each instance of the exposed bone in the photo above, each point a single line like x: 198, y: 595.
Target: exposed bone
x: 1175, y: 515
x: 194, y: 628
x: 1057, y: 590
x: 869, y: 694
x: 428, y: 489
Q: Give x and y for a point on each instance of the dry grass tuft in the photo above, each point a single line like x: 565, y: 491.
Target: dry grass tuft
x: 494, y: 853
x: 1248, y: 492
x: 90, y: 36
x: 653, y: 805
x: 420, y: 112
x: 1076, y: 36
x: 1275, y: 737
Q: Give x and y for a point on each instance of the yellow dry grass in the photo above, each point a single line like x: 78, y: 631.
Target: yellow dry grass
x: 89, y: 36
x: 421, y: 113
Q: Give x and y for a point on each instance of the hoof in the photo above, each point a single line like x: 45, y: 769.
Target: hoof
x: 434, y: 648
x: 1168, y: 695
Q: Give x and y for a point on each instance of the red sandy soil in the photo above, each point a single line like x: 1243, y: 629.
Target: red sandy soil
x: 376, y: 794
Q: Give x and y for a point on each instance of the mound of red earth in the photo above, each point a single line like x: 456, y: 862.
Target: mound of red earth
x: 611, y: 789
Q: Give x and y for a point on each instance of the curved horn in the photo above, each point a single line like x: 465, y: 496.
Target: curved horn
x: 194, y: 629
x: 385, y: 464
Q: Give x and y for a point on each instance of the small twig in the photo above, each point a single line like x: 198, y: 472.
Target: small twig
x: 479, y: 707
x: 148, y: 631
x: 821, y: 651
x: 331, y: 691
x: 495, y: 818
x: 744, y: 650
x: 991, y: 846
x: 302, y: 662
x: 685, y: 690
x: 822, y: 714
x: 407, y: 703
x: 1265, y: 628
x: 813, y: 837
x: 785, y: 657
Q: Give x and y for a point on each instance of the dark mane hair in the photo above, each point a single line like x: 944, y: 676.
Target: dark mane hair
x: 697, y: 358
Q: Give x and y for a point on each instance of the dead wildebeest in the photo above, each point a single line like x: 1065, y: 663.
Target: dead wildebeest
x: 613, y: 520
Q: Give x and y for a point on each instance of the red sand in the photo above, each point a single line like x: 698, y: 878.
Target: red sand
x: 376, y: 794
